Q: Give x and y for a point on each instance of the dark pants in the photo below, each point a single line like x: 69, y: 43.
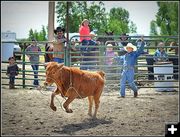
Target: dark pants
x: 175, y: 69
x: 86, y: 52
x: 35, y: 68
x: 150, y: 61
x: 11, y: 79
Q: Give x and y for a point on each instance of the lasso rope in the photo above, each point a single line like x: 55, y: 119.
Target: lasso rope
x: 40, y: 88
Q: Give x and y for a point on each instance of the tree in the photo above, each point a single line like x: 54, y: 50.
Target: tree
x: 117, y: 26
x: 61, y: 12
x: 36, y: 35
x: 167, y: 18
x: 153, y: 30
x: 119, y: 21
x: 132, y: 27
x: 120, y: 14
x: 31, y: 34
x: 95, y: 12
x: 78, y: 11
x: 40, y: 36
x: 97, y: 16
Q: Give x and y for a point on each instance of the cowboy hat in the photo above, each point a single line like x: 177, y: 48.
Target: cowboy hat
x: 58, y: 29
x: 131, y: 46
x: 33, y: 39
x: 124, y: 35
x: 84, y: 21
x: 109, y: 45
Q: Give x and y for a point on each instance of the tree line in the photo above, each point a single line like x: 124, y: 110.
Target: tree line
x: 116, y: 20
x: 166, y: 19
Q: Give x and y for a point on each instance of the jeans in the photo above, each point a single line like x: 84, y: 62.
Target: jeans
x: 129, y: 76
x: 35, y: 68
x: 59, y: 60
x: 11, y: 79
x: 85, y: 52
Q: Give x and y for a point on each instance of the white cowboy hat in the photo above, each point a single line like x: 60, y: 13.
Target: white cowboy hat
x: 109, y: 45
x: 131, y: 46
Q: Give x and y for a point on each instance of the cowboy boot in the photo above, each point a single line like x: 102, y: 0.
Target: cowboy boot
x: 10, y: 86
x: 13, y: 87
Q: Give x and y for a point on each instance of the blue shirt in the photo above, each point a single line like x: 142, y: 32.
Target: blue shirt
x: 160, y: 56
x: 129, y: 59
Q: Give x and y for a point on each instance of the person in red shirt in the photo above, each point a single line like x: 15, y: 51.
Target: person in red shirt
x: 86, y: 40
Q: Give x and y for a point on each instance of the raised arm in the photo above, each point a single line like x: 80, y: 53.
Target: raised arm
x: 141, y: 49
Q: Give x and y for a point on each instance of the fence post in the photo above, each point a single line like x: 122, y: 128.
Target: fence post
x: 65, y: 55
x: 23, y: 67
x: 102, y: 60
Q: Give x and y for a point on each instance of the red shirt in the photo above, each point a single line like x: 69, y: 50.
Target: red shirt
x: 84, y: 31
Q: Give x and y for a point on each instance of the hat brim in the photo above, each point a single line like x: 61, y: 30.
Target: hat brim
x: 63, y: 30
x: 125, y: 39
x: 84, y: 21
x: 124, y: 36
x: 132, y: 46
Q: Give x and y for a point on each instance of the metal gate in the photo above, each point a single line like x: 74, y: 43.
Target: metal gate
x: 96, y: 60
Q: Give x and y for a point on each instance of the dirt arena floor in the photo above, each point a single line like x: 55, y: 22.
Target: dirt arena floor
x: 27, y: 112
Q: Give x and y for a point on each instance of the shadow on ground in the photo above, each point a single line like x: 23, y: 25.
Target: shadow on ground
x: 86, y: 124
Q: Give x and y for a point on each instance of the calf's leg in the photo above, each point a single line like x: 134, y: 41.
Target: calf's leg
x: 66, y: 105
x: 90, y: 98
x: 56, y: 92
x: 71, y: 96
x: 97, y: 102
x: 52, y: 106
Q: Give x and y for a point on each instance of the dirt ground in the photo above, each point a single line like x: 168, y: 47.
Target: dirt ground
x: 27, y: 112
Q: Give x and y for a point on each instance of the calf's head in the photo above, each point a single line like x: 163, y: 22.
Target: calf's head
x: 52, y: 69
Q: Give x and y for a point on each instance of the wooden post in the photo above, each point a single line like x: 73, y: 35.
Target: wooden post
x: 51, y: 20
x: 23, y: 67
x: 67, y: 47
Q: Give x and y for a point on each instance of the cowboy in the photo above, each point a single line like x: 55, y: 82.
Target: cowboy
x: 129, y: 61
x: 58, y: 45
x: 124, y: 39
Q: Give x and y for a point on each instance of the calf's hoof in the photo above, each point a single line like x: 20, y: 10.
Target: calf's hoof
x: 90, y: 114
x: 94, y: 117
x: 69, y: 111
x: 53, y: 107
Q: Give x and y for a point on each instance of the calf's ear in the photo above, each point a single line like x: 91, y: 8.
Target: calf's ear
x: 60, y: 65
